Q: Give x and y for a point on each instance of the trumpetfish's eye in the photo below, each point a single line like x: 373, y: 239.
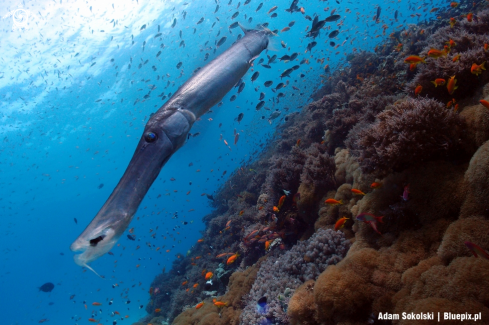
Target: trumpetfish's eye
x: 95, y: 241
x: 150, y: 137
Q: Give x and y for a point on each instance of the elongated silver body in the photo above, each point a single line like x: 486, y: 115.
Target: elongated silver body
x: 163, y: 135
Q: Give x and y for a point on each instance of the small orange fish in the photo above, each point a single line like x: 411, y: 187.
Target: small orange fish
x: 285, y: 29
x: 184, y: 283
x: 375, y: 185
x: 209, y: 275
x: 157, y: 310
x: 275, y: 209
x: 302, y: 10
x: 273, y: 9
x: 340, y: 223
x: 456, y: 58
x: 414, y: 59
x: 232, y: 258
x: 454, y: 4
x: 93, y: 320
x: 96, y: 304
x: 356, y: 191
x: 455, y: 108
x: 236, y: 138
x: 412, y: 66
x: 200, y: 240
x: 241, y: 212
x: 477, y: 69
x: 85, y: 306
x: 452, y: 22
x: 451, y: 43
x: 418, y: 90
x: 199, y: 305
x: 219, y: 304
x: 267, y: 244
x: 469, y: 17
x: 298, y: 142
x: 438, y: 82
x: 281, y: 201
x: 434, y: 53
x: 486, y: 47
x: 484, y: 103
x: 451, y: 85
x: 333, y: 202
x: 195, y: 285
x: 116, y: 312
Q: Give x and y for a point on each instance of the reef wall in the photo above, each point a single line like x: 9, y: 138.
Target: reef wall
x: 406, y: 166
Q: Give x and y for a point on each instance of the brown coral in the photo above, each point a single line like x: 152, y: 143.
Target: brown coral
x: 302, y: 308
x: 477, y: 175
x: 410, y: 133
x: 239, y: 284
x: 462, y: 286
x: 473, y: 229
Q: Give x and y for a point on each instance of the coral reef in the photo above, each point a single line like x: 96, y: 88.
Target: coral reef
x: 433, y: 286
x: 430, y: 164
x: 239, y: 284
x: 278, y: 274
x: 476, y: 202
x: 302, y: 307
x: 411, y: 132
x: 469, y: 38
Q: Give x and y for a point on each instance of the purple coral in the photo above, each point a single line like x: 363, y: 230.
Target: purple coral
x: 305, y: 261
x: 411, y: 132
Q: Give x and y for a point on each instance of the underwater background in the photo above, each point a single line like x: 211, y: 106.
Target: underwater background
x: 358, y: 187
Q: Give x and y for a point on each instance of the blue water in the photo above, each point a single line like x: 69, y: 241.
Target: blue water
x: 58, y: 144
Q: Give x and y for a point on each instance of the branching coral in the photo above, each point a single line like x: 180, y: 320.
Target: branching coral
x: 305, y: 261
x: 469, y: 38
x: 409, y: 133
